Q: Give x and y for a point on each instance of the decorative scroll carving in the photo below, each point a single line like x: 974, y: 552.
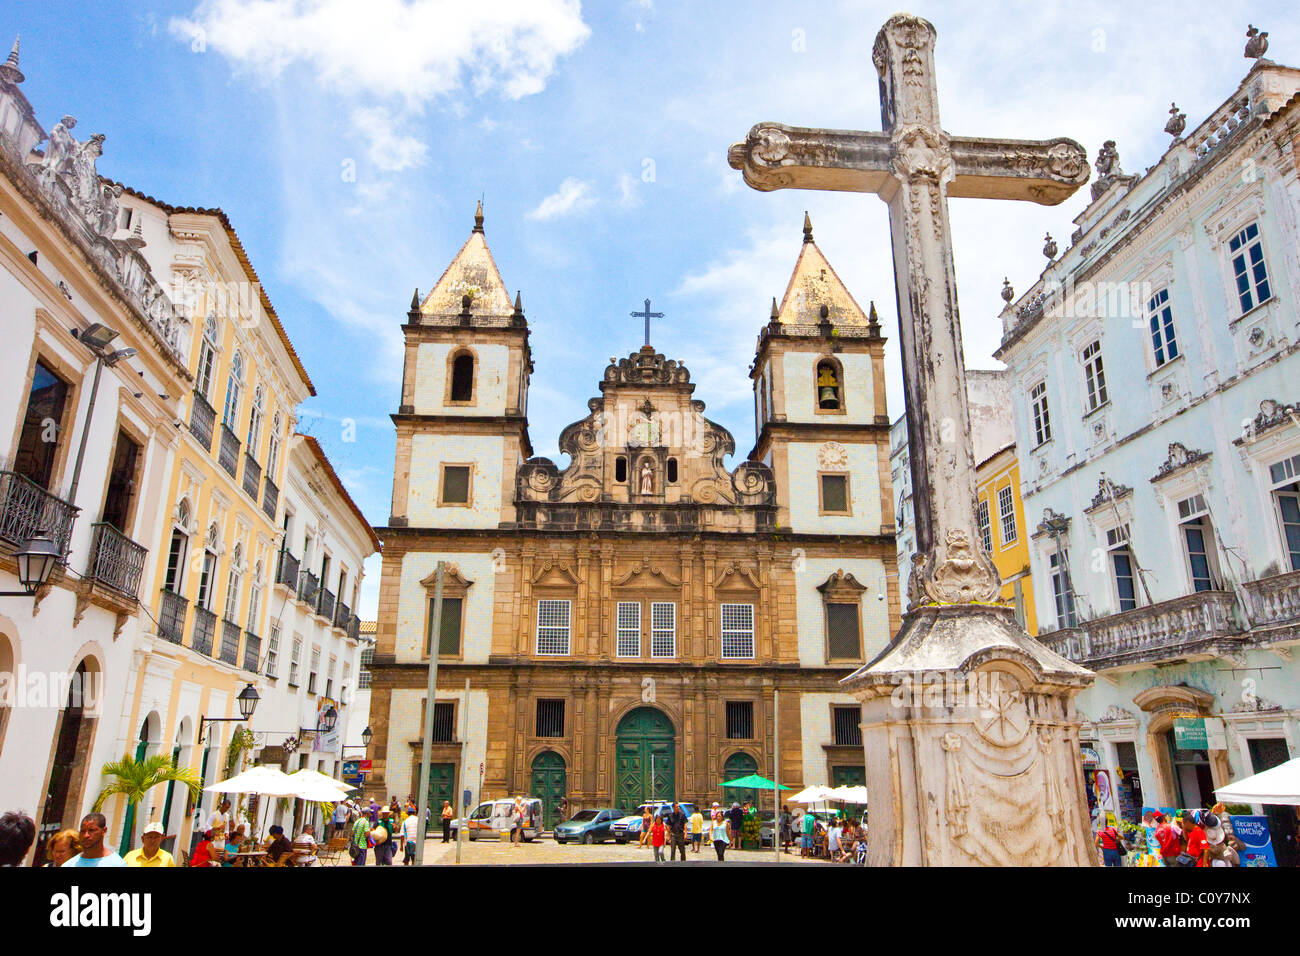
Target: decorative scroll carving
x: 965, y: 577
x: 956, y: 805
x: 1179, y: 457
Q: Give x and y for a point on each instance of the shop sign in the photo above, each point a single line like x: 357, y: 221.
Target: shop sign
x: 1189, y: 733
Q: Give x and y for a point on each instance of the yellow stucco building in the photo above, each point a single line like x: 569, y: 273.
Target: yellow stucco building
x: 1001, y: 517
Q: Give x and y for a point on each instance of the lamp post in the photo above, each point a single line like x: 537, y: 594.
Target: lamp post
x: 36, y: 562
x: 95, y: 338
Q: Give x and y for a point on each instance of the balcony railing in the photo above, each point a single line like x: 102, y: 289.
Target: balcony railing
x: 270, y: 497
x: 203, y: 419
x: 252, y: 652
x: 116, y: 560
x: 287, y: 571
x: 1171, y: 629
x: 228, y: 455
x: 171, y: 616
x: 308, y: 586
x: 341, y: 614
x: 252, y: 476
x: 1274, y: 600
x: 229, y: 642
x: 205, y: 626
x: 27, y: 509
x: 354, y: 628
x: 325, y: 604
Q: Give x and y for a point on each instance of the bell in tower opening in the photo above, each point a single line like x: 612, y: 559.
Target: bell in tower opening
x: 828, y: 386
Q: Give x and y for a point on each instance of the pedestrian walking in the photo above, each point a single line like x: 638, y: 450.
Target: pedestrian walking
x: 736, y: 817
x: 94, y: 826
x: 657, y: 837
x: 410, y: 833
x: 647, y: 818
x: 719, y: 834
x: 517, y: 822
x: 360, y: 841
x: 677, y: 832
x: 338, y: 820
x: 382, y: 834
x: 697, y: 830
x: 447, y: 814
x: 787, y: 828
x: 809, y: 827
x: 1112, y: 846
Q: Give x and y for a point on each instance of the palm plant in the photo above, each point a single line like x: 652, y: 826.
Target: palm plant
x: 133, y: 778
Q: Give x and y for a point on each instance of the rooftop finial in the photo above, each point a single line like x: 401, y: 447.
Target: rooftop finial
x: 807, y: 227
x: 873, y: 320
x: 9, y: 71
x: 519, y: 303
x: 1008, y: 293
x: 1049, y: 247
x: 1177, y: 121
x: 478, y: 217
x: 415, y: 300
x: 776, y: 313
x: 1256, y: 43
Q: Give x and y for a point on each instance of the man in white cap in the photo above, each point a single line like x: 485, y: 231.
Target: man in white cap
x: 151, y: 853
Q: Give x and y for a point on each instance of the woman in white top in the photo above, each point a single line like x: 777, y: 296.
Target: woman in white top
x: 720, y: 833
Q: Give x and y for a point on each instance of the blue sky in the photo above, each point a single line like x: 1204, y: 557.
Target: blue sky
x: 348, y: 141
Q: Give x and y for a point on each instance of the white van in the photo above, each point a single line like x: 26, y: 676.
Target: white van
x: 493, y: 819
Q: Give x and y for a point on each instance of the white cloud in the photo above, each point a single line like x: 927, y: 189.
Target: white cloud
x: 413, y: 49
x: 388, y: 150
x: 574, y: 196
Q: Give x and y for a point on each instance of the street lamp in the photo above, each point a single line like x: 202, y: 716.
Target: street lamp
x: 36, y: 561
x: 366, y: 736
x: 328, y: 720
x: 247, y: 700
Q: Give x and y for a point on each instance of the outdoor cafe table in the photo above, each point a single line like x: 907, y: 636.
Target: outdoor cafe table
x: 251, y: 858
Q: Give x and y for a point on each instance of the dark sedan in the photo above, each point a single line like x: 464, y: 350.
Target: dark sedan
x: 588, y: 826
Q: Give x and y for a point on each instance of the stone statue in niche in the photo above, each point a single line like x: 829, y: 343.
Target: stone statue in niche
x: 647, y: 477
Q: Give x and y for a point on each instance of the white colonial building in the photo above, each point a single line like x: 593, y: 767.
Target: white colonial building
x: 1154, y: 368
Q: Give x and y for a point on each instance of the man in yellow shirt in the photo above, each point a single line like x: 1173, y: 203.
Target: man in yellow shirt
x: 152, y: 853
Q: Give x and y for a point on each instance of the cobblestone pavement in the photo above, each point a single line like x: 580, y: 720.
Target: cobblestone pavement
x: 547, y: 851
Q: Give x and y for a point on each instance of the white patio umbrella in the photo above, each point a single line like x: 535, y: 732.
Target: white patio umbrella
x: 813, y: 794
x: 315, y: 777
x: 850, y: 794
x: 1279, y: 785
x: 262, y: 779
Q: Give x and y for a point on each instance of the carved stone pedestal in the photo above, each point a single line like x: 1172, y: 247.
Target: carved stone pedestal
x: 972, y: 745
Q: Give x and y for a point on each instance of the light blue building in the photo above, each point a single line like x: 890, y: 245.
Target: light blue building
x: 1156, y: 389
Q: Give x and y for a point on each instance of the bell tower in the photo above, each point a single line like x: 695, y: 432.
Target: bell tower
x: 462, y: 426
x: 819, y: 404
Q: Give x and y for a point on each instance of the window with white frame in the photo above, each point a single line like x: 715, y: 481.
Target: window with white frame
x: 254, y: 605
x: 738, y: 631
x: 314, y: 670
x: 1160, y: 319
x: 234, y: 579
x: 1058, y: 563
x: 295, y: 659
x: 1198, y: 542
x: 1123, y: 567
x: 1286, y: 503
x: 663, y: 629
x: 986, y: 530
x: 553, y: 627
x: 273, y: 652
x: 329, y: 677
x: 230, y: 416
x: 628, y: 628
x: 273, y: 447
x: 1094, y: 376
x: 343, y: 684
x: 1007, y: 515
x: 255, y: 421
x: 207, y: 359
x: 1042, y: 421
x: 1248, y: 268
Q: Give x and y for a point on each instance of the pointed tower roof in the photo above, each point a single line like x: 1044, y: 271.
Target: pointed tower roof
x: 473, y: 272
x: 814, y: 284
x: 9, y: 71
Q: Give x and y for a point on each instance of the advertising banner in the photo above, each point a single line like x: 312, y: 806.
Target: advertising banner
x: 1253, y: 831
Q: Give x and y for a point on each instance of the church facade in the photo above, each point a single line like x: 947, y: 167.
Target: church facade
x: 647, y: 621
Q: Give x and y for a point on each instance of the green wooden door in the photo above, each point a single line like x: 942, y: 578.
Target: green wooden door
x: 738, y: 765
x: 550, y: 781
x: 645, y: 759
x: 848, y: 776
x: 442, y: 786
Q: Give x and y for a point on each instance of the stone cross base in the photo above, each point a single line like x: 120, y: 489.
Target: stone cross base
x: 972, y: 745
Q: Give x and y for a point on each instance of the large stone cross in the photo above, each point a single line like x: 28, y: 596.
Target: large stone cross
x: 914, y: 166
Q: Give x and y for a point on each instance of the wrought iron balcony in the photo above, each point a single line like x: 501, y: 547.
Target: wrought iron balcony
x: 1196, y: 625
x: 252, y: 652
x: 229, y: 641
x: 308, y: 586
x: 270, y: 497
x: 27, y: 509
x: 354, y: 627
x: 203, y: 419
x: 325, y: 604
x: 287, y: 570
x: 341, y: 615
x: 171, y: 616
x: 252, y: 476
x: 205, y: 626
x: 116, y: 560
x: 228, y: 454
x: 1274, y: 604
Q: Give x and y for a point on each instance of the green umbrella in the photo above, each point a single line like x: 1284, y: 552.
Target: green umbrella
x: 753, y: 782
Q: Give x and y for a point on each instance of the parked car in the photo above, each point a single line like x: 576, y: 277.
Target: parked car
x: 629, y: 828
x: 491, y: 820
x: 588, y: 826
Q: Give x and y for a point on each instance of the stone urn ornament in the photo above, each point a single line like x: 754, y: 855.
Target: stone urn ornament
x: 1049, y: 247
x: 1177, y: 122
x: 1256, y: 43
x: 1008, y: 293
